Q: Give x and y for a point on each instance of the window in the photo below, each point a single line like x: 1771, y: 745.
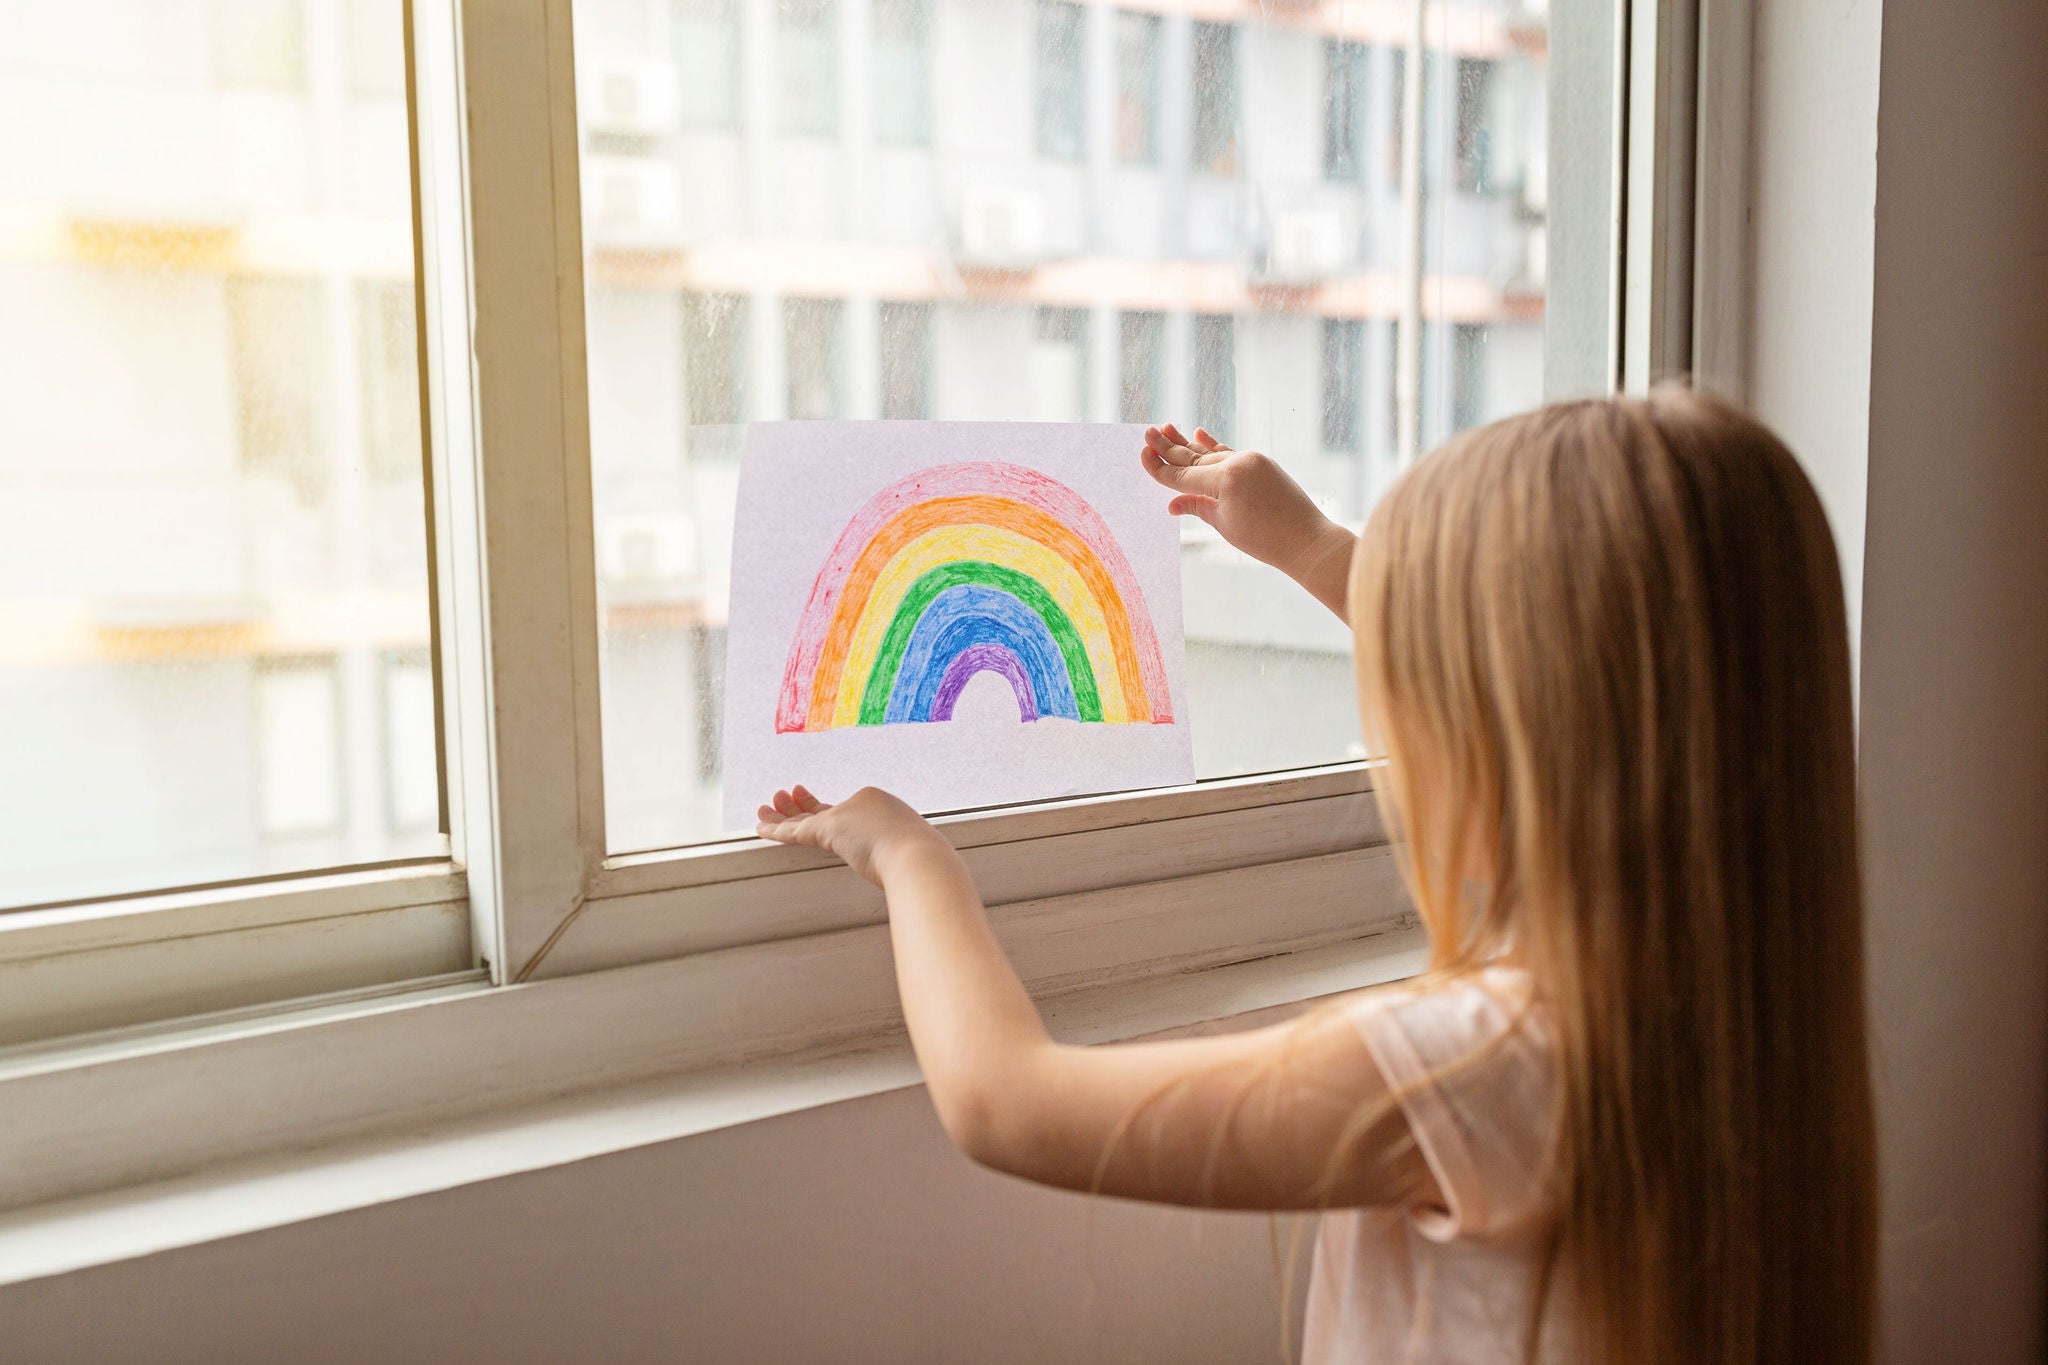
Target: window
x: 1140, y: 335
x: 298, y: 583
x: 1474, y: 131
x: 1397, y: 115
x: 706, y: 43
x: 1062, y: 95
x: 212, y: 482
x: 807, y: 52
x: 1058, y: 363
x: 1343, y: 367
x: 902, y: 37
x: 412, y: 786
x: 1468, y: 376
x: 388, y: 368
x: 298, y: 750
x: 714, y: 358
x: 280, y: 357
x: 259, y: 44
x: 906, y: 360
x: 1343, y: 109
x: 1214, y: 90
x: 973, y: 276
x: 376, y: 51
x: 816, y: 370
x: 1215, y: 396
x: 1137, y: 87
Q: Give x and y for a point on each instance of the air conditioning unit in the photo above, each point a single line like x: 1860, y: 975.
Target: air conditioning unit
x: 1303, y: 246
x: 647, y: 550
x: 632, y: 199
x: 1001, y: 227
x: 633, y: 99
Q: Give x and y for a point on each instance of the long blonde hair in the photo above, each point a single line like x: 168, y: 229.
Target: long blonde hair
x: 1603, y: 647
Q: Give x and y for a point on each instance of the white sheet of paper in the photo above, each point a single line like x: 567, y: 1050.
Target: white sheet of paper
x: 857, y: 543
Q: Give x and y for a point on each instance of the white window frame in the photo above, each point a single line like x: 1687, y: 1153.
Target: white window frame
x: 530, y: 963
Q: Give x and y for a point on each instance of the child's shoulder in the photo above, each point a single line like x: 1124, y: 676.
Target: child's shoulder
x: 1486, y: 1022
x: 1472, y: 1061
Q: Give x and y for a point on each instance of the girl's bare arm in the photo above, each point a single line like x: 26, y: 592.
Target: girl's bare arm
x: 1268, y: 1119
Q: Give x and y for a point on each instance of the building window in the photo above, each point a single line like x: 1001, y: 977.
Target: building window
x: 706, y: 41
x: 807, y: 54
x: 299, y: 792
x: 813, y: 330
x: 714, y: 359
x: 902, y: 71
x: 1137, y: 87
x: 1343, y: 369
x: 1343, y: 109
x: 906, y: 340
x: 1141, y: 338
x: 1059, y: 365
x: 1397, y: 115
x: 1468, y: 376
x: 1215, y: 347
x: 1062, y: 86
x: 1391, y: 331
x: 388, y: 358
x: 412, y: 779
x: 375, y: 48
x: 1474, y: 133
x: 1215, y: 96
x: 277, y: 336
x: 258, y: 44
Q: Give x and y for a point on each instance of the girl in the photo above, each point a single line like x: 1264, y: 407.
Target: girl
x: 1626, y: 1115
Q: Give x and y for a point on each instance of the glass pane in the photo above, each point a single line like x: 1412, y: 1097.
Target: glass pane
x: 213, y: 547
x: 1042, y: 210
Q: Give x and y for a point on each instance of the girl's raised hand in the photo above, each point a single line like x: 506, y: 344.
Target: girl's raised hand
x: 1257, y: 507
x: 864, y: 829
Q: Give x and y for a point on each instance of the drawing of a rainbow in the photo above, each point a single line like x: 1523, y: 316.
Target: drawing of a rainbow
x: 965, y: 569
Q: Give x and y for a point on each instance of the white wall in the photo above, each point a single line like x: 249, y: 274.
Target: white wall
x: 1955, y: 676
x: 1900, y: 345
x: 847, y: 1234
x: 1814, y: 180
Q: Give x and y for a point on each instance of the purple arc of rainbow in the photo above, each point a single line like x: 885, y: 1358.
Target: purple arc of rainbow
x: 985, y: 659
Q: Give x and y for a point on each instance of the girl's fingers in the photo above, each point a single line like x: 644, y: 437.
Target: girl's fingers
x: 768, y: 816
x: 1205, y: 479
x: 786, y: 803
x: 809, y: 804
x: 1194, y: 505
x: 1208, y: 444
x: 1166, y: 444
x: 1185, y: 478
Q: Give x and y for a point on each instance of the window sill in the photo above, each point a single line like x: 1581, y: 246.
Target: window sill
x: 410, y: 1155
x: 689, y: 999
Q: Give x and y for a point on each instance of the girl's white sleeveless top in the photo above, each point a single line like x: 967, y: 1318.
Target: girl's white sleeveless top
x: 1474, y: 1064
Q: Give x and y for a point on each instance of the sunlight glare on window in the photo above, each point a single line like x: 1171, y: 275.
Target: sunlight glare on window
x: 212, y: 492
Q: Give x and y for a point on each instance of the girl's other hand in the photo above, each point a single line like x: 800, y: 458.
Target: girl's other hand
x: 1257, y: 507
x: 865, y: 829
